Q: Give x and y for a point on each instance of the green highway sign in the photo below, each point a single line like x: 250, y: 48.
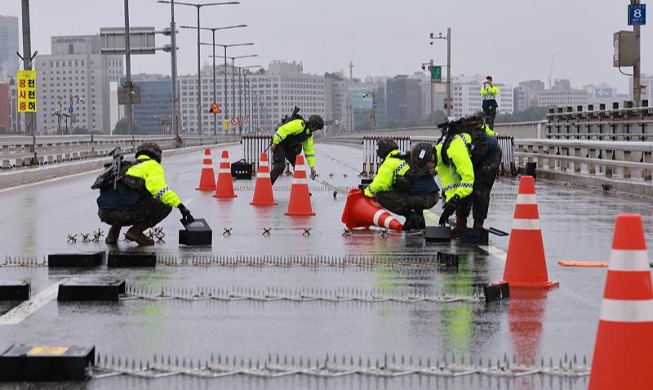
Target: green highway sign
x: 436, y: 73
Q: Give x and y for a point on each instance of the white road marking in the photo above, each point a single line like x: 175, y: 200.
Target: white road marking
x: 27, y: 308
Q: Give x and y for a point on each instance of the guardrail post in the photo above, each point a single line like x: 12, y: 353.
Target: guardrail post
x: 626, y: 170
x: 609, y: 154
x: 564, y: 164
x: 551, y: 160
x: 647, y: 173
x: 577, y: 164
x: 591, y: 167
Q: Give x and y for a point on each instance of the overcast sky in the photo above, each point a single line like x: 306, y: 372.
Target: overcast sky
x: 512, y: 40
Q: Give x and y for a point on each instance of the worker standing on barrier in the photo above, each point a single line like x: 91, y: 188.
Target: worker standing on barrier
x: 137, y: 196
x: 489, y: 94
x: 290, y: 139
x: 399, y: 188
x: 468, y: 158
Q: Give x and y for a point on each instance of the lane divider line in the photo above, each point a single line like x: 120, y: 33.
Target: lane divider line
x: 21, y: 312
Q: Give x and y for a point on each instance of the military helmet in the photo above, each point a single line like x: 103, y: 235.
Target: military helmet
x: 421, y: 154
x: 151, y: 150
x: 385, y: 146
x: 315, y: 122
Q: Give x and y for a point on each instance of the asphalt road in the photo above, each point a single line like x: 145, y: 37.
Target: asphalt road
x: 577, y: 224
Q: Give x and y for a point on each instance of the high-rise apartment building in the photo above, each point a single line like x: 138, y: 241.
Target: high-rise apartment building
x: 9, y: 61
x: 466, y: 94
x: 271, y: 95
x: 74, y: 80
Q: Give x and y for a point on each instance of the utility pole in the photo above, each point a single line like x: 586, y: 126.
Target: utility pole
x: 128, y: 82
x: 30, y: 117
x: 449, y: 100
x: 637, y: 88
x: 173, y: 58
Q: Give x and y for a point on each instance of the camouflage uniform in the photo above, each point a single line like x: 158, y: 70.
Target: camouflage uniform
x: 403, y: 203
x: 485, y: 171
x: 149, y: 210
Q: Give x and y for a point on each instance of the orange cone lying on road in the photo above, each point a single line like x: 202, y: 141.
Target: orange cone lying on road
x: 207, y: 178
x: 525, y: 263
x: 300, y: 199
x: 624, y: 341
x: 263, y: 195
x: 361, y: 211
x: 225, y: 186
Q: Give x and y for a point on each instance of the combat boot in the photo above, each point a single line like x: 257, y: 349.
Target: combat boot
x: 113, y: 235
x: 461, y: 224
x: 135, y: 233
x: 478, y: 224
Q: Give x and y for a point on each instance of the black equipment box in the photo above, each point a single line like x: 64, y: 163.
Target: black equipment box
x: 91, y: 289
x: 40, y: 363
x: 18, y: 290
x: 83, y: 259
x: 197, y: 232
x: 131, y: 259
x: 241, y: 169
x: 437, y: 233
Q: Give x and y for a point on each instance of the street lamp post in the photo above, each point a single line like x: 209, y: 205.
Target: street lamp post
x: 449, y: 101
x: 199, y: 73
x: 215, y: 96
x: 244, y: 83
x: 233, y: 73
x: 226, y: 98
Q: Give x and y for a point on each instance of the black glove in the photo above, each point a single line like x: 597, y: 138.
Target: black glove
x: 185, y: 213
x: 448, y: 209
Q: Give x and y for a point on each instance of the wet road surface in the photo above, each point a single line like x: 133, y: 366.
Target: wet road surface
x: 576, y: 225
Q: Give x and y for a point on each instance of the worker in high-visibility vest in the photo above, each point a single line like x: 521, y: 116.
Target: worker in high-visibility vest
x: 489, y: 93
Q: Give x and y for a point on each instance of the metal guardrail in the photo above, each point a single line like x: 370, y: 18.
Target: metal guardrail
x: 608, y: 159
x: 16, y: 151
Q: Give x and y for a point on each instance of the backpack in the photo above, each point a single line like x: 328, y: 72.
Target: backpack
x: 115, y: 172
x: 481, y: 143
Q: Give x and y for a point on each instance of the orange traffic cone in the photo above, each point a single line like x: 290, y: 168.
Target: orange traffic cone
x: 624, y: 340
x: 263, y: 195
x: 207, y: 179
x: 525, y: 263
x: 361, y: 211
x: 225, y: 186
x: 300, y: 199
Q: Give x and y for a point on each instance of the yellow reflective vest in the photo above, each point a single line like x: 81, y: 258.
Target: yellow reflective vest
x: 295, y: 132
x: 152, y: 174
x: 457, y: 177
x: 489, y: 92
x: 387, y: 175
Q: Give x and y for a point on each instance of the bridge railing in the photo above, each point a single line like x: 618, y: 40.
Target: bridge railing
x: 609, y: 159
x: 16, y: 151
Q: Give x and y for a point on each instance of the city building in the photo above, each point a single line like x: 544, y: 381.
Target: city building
x: 72, y: 85
x: 561, y: 94
x: 525, y: 95
x: 363, y: 97
x: 9, y: 61
x: 274, y: 94
x: 5, y: 107
x: 404, y: 100
x: 337, y: 104
x: 153, y: 114
x: 467, y: 96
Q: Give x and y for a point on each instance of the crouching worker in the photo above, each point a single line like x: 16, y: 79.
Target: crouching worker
x: 137, y: 195
x: 400, y: 189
